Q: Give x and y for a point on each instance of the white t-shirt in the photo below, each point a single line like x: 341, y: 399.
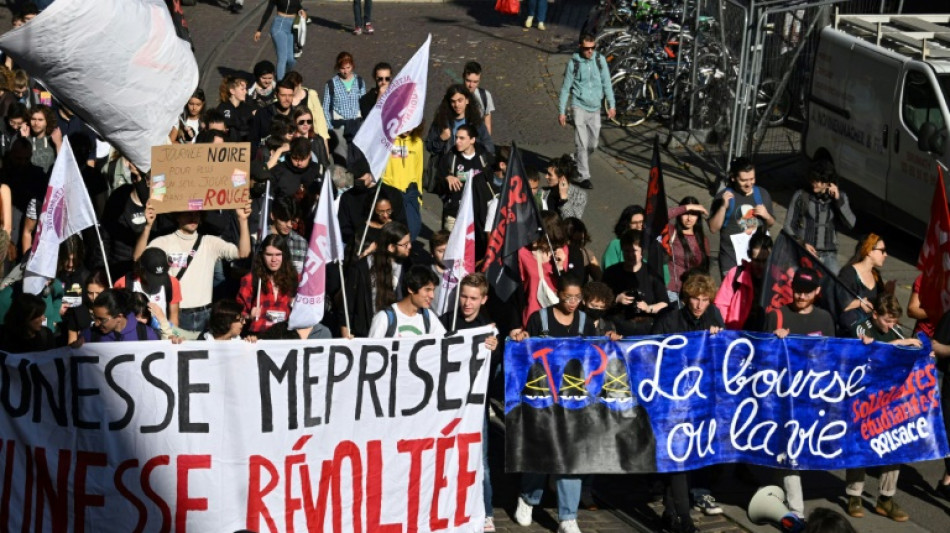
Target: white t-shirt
x: 406, y: 326
x: 489, y: 106
x: 198, y: 280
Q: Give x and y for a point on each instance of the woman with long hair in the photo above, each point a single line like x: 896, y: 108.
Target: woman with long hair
x: 372, y: 281
x: 281, y: 31
x: 226, y: 323
x: 78, y: 319
x: 189, y: 121
x: 23, y: 329
x: 305, y: 125
x: 44, y: 136
x: 630, y: 218
x: 580, y: 260
x: 861, y: 283
x: 538, y: 273
x: 688, y: 247
x: 456, y: 108
x: 268, y: 290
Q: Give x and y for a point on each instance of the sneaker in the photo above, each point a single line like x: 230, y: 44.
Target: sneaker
x: 528, y: 21
x: 891, y: 510
x: 489, y: 525
x: 587, y: 499
x: 707, y: 504
x: 855, y: 506
x: 523, y: 512
x: 942, y: 490
x: 541, y: 26
x: 357, y: 31
x: 568, y: 526
x: 369, y: 27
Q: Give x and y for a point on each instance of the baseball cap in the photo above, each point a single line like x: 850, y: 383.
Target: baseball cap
x: 154, y: 266
x: 806, y: 280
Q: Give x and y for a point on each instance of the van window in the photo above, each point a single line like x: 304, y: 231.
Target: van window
x: 920, y: 103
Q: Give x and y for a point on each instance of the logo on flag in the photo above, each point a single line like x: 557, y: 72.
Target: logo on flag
x: 397, y: 106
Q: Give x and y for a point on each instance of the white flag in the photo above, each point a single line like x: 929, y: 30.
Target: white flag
x: 398, y: 111
x: 117, y: 64
x: 326, y: 246
x: 459, y: 258
x: 66, y: 211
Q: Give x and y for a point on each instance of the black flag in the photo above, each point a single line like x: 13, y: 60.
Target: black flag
x: 517, y: 224
x: 656, y: 216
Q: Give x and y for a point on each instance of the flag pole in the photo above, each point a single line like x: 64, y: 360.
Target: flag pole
x: 346, y: 308
x: 105, y: 258
x: 455, y: 312
x: 263, y: 224
x: 359, y: 251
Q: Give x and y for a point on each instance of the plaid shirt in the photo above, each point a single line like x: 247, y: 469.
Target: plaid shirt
x: 274, y: 307
x: 344, y: 104
x: 298, y: 250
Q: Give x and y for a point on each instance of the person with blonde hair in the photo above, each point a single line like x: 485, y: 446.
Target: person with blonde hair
x: 237, y: 112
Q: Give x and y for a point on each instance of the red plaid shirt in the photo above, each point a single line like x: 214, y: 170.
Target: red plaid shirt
x: 274, y: 307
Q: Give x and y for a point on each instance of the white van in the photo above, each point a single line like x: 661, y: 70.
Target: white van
x: 878, y: 110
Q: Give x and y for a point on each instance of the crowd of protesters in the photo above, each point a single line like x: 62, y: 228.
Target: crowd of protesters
x: 229, y: 275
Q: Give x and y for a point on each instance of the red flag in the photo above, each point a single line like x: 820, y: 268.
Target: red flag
x: 935, y: 256
x: 655, y: 217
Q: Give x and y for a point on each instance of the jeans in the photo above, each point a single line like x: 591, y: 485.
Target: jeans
x: 829, y: 258
x: 568, y: 493
x: 586, y: 135
x: 358, y: 15
x: 281, y: 31
x: 486, y: 480
x: 194, y: 319
x: 410, y: 202
x: 538, y: 9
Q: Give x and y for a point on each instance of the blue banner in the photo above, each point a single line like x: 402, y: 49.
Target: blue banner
x: 682, y: 402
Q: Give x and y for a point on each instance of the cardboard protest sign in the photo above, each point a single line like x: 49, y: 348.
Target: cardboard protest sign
x: 198, y: 177
x: 276, y: 436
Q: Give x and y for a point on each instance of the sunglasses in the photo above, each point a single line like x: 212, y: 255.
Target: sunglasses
x: 586, y: 48
x: 384, y: 78
x: 302, y: 122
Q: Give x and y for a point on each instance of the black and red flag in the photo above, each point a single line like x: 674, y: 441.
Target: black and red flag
x: 655, y: 216
x: 517, y: 224
x: 935, y: 282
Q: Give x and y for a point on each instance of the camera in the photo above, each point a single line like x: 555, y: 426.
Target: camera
x: 636, y: 294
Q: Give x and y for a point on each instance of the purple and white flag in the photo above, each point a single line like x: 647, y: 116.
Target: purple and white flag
x: 326, y: 246
x: 66, y: 211
x: 398, y: 111
x: 459, y: 258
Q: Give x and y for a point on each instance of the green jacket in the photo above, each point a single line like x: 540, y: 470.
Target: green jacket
x: 588, y: 81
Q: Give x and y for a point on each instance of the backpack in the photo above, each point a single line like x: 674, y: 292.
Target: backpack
x: 756, y: 195
x: 577, y: 63
x: 545, y: 330
x: 391, y: 318
x: 483, y: 100
x: 331, y: 88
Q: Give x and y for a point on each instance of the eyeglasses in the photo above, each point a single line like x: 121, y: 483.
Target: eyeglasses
x: 385, y: 212
x: 586, y: 48
x: 404, y: 245
x: 240, y: 318
x: 302, y: 122
x: 384, y: 78
x: 572, y: 299
x: 882, y: 250
x: 97, y: 320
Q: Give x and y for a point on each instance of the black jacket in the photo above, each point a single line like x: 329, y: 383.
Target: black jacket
x: 682, y: 321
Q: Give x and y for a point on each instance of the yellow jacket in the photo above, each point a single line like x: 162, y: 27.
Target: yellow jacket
x: 405, y: 164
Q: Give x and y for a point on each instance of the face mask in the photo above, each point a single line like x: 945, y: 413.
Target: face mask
x: 596, y: 314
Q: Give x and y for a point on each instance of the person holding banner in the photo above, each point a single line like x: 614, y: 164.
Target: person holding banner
x: 565, y: 319
x: 696, y: 314
x: 738, y: 296
x: 268, y: 290
x: 226, y: 323
x: 861, y: 277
